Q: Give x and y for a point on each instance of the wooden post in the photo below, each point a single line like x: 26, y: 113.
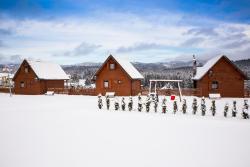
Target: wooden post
x: 155, y: 87
x: 180, y: 91
x: 149, y: 87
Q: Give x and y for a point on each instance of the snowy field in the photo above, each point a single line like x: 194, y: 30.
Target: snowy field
x: 70, y: 131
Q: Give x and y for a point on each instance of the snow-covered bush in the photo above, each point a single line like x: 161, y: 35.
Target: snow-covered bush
x: 139, y: 103
x: 213, y: 108
x: 245, y: 108
x: 234, y: 110
x: 148, y: 103
x: 116, y: 104
x: 203, y: 106
x: 226, y: 109
x: 107, y: 102
x: 194, y: 106
x: 123, y: 104
x: 184, y: 106
x: 155, y: 104
x: 164, y: 105
x: 175, y: 107
x: 100, y: 101
x: 130, y: 104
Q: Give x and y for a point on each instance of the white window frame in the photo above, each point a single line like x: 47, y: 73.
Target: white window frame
x: 22, y: 84
x: 26, y: 69
x: 112, y: 66
x: 106, y: 84
x: 215, y: 85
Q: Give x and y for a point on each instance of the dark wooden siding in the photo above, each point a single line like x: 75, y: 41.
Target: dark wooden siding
x: 119, y: 81
x: 32, y: 84
x: 231, y: 82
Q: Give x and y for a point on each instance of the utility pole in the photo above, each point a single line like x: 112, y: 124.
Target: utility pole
x: 194, y: 66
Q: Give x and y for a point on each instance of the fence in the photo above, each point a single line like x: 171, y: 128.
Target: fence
x: 144, y: 91
x: 247, y: 92
x: 74, y: 91
x: 5, y: 89
x: 168, y: 92
x: 59, y: 90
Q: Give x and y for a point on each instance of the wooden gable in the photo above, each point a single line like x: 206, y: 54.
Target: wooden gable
x: 106, y: 65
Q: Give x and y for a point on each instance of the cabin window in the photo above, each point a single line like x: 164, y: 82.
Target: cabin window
x: 22, y: 84
x: 215, y: 85
x: 26, y: 69
x: 111, y: 66
x: 106, y: 84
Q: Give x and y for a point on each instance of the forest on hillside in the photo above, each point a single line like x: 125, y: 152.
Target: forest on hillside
x: 151, y: 71
x: 148, y: 70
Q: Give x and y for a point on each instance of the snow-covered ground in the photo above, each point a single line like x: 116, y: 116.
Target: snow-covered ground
x: 70, y: 131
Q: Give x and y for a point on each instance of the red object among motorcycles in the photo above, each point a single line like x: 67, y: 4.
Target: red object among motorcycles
x: 172, y: 97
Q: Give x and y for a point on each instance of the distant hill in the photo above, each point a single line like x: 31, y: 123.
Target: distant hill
x: 244, y: 65
x: 88, y: 64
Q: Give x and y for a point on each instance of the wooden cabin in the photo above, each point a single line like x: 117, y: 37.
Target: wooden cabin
x: 219, y: 76
x: 119, y: 76
x: 35, y: 77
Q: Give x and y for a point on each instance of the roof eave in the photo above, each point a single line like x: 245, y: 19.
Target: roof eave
x: 111, y: 56
x: 139, y: 78
x: 53, y: 79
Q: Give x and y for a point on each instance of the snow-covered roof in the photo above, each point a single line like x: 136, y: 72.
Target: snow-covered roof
x: 3, y: 74
x: 201, y: 71
x: 6, y: 75
x: 126, y: 66
x: 47, y: 70
x: 81, y: 82
x: 129, y: 68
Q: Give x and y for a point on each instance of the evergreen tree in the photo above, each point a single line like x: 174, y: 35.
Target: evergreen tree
x: 175, y: 106
x: 157, y: 98
x: 194, y: 106
x: 164, y: 105
x: 155, y: 104
x: 139, y: 103
x: 213, y: 108
x: 116, y: 104
x: 148, y: 103
x: 123, y: 104
x: 246, y: 105
x: 203, y: 106
x: 226, y: 110
x: 184, y: 106
x: 100, y: 101
x: 87, y: 81
x: 245, y: 114
x: 234, y: 110
x: 130, y: 104
x: 107, y: 102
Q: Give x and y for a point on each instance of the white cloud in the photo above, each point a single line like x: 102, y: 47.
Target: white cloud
x: 43, y: 39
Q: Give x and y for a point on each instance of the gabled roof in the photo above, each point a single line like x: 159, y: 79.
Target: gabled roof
x: 47, y: 70
x: 202, y: 71
x: 132, y: 72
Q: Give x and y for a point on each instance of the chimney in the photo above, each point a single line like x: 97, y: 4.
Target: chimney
x: 194, y: 66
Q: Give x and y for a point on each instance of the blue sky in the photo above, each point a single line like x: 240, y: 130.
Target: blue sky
x: 75, y: 31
